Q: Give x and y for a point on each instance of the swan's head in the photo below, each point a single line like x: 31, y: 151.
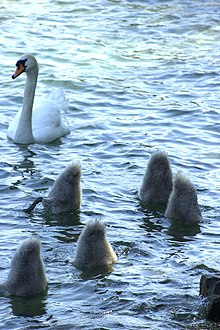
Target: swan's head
x: 26, y: 63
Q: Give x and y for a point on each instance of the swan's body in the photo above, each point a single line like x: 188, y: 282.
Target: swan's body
x: 183, y: 203
x: 39, y: 122
x: 157, y: 182
x: 93, y: 247
x: 66, y: 193
x: 27, y: 276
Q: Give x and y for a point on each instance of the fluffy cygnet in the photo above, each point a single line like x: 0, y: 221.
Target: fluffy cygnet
x: 27, y: 276
x: 157, y: 182
x: 93, y: 247
x: 66, y: 193
x: 183, y: 203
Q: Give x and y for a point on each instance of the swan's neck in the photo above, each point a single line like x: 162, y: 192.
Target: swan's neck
x: 24, y: 132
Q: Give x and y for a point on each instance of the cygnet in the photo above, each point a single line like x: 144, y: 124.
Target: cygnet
x: 66, y: 193
x: 183, y: 203
x: 157, y: 182
x: 27, y: 275
x: 93, y: 247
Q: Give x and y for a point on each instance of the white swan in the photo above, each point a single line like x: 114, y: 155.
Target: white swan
x: 44, y: 123
x: 93, y: 247
x: 183, y: 203
x: 157, y: 182
x: 27, y: 276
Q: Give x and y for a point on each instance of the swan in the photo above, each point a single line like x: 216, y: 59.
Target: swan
x: 44, y: 123
x: 183, y: 203
x: 93, y: 247
x: 65, y: 194
x: 157, y: 182
x: 27, y: 275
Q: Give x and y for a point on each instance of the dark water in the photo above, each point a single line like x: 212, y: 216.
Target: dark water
x: 140, y: 76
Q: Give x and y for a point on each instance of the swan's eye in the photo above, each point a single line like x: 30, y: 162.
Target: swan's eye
x: 21, y: 62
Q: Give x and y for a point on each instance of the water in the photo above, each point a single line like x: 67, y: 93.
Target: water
x: 139, y: 76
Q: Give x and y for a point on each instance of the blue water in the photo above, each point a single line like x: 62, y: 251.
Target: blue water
x: 139, y: 76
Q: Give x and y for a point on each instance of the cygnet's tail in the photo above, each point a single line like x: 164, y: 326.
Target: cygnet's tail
x: 32, y: 206
x: 75, y: 168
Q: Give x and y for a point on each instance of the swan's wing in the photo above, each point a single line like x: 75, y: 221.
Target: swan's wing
x: 59, y: 97
x: 47, y: 123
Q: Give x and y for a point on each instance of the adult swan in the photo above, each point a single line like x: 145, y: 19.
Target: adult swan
x: 44, y: 123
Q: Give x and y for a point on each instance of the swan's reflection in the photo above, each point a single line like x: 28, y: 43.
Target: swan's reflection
x: 64, y: 225
x: 177, y: 230
x: 64, y: 219
x: 183, y: 231
x: 26, y: 165
x: 29, y: 306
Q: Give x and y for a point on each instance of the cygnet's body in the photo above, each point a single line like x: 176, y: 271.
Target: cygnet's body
x: 93, y: 247
x: 27, y: 276
x: 157, y: 182
x: 66, y: 193
x: 183, y: 203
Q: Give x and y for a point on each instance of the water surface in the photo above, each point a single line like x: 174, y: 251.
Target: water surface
x: 139, y: 76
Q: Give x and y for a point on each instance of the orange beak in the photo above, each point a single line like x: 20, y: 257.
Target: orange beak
x: 19, y: 70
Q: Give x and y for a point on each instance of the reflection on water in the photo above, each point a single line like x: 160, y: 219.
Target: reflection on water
x: 63, y: 219
x: 64, y: 225
x: 98, y: 273
x: 29, y: 306
x: 182, y: 232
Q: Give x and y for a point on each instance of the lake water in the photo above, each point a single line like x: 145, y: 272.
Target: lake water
x: 139, y: 76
